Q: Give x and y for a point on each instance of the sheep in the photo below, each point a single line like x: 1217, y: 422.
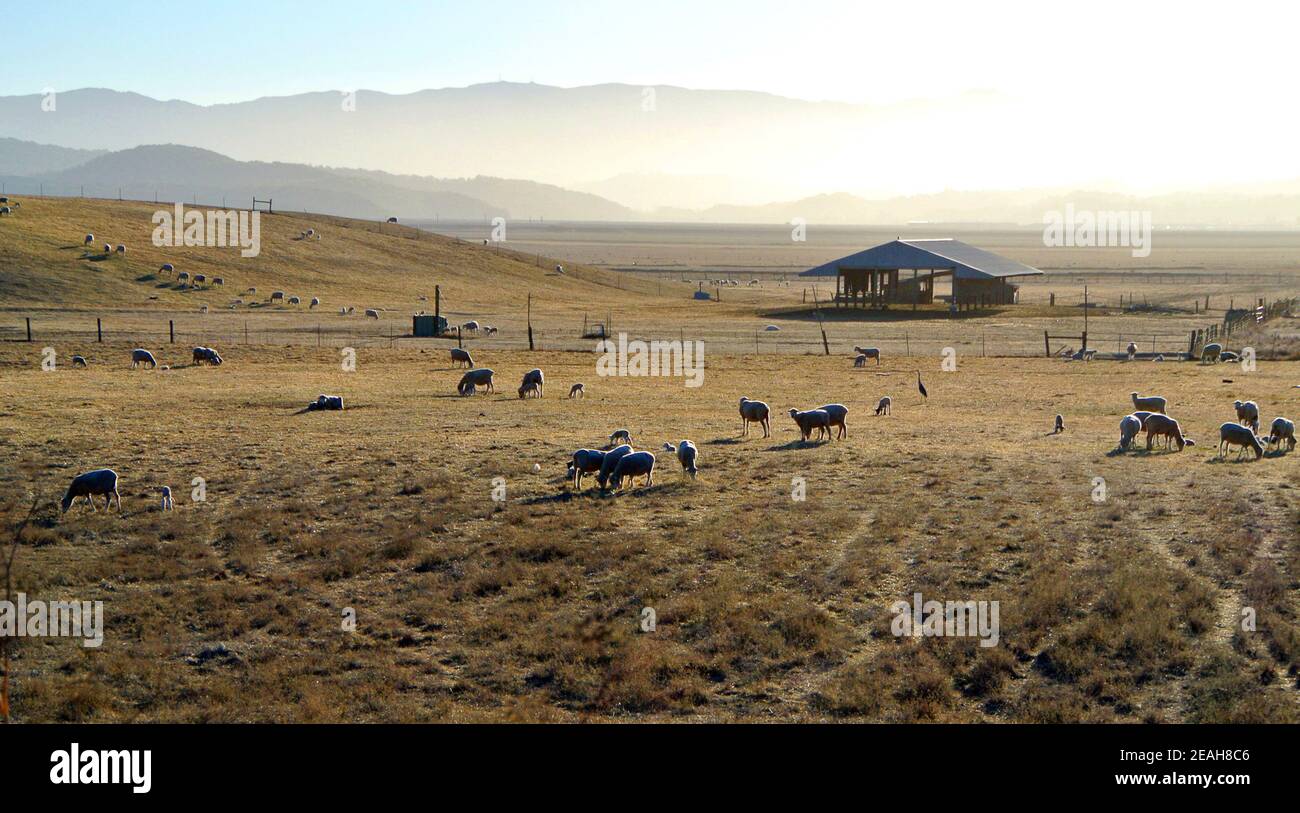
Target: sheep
x: 620, y: 434
x: 108, y: 248
x: 293, y: 300
x: 79, y: 361
x: 139, y: 356
x: 202, y: 354
x: 250, y: 291
x: 203, y: 309
x: 481, y: 377
x: 1161, y: 425
x: 883, y: 405
x: 92, y: 484
x: 352, y: 310
x: 459, y: 356
x: 860, y: 360
x: 1228, y: 355
x: 532, y: 383
x: 1210, y: 352
x: 1128, y: 429
x: 559, y: 269
x: 869, y: 352
x: 470, y: 327
x: 221, y: 281
x: 1132, y: 350
x: 634, y: 464
x: 1282, y: 429
x: 1234, y: 434
x: 371, y: 313
x: 167, y: 502
x: 90, y: 238
x: 772, y: 329
x: 585, y: 461
x: 810, y: 420
x: 4, y: 210
x: 200, y: 279
x: 1247, y: 414
x: 121, y: 249
x: 343, y: 311
x: 489, y: 330
x: 754, y: 412
x: 326, y: 402
x: 609, y: 463
x: 1153, y: 403
x: 314, y: 303
x: 392, y: 220
x: 167, y: 268
x: 182, y: 278
x: 838, y: 414
x: 577, y: 391
x: 1059, y: 426
x: 277, y: 296
x: 687, y: 455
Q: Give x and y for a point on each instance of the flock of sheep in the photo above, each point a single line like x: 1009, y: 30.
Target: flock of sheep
x: 1150, y: 416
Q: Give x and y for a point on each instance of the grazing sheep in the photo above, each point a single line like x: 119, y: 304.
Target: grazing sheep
x: 314, y: 302
x: 371, y: 313
x: 1247, y: 414
x: 860, y: 361
x: 1228, y: 355
x: 183, y: 277
x: 219, y: 281
x: 1132, y: 350
x: 1234, y: 434
x: 1163, y: 426
x: 1153, y: 403
x: 202, y: 354
x: 108, y: 248
x: 459, y: 356
x: 634, y: 464
x: 620, y: 434
x: 277, y: 296
x: 139, y: 356
x: 1059, y: 427
x: 250, y: 291
x: 883, y: 405
x: 1282, y: 429
x: 489, y: 330
x: 203, y: 309
x: 1128, y: 429
x: 4, y: 210
x: 473, y: 379
x: 470, y: 326
x: 79, y: 361
x: 293, y: 300
x: 810, y: 420
x: 577, y: 391
x: 167, y: 268
x: 326, y: 402
x: 352, y: 310
x: 200, y: 279
x: 92, y: 484
x: 167, y: 502
x: 1210, y: 352
x: 610, y: 462
x: 838, y: 414
x: 687, y: 455
x: 90, y: 238
x: 559, y: 269
x: 585, y: 461
x: 869, y: 352
x: 121, y: 249
x: 754, y: 412
x: 532, y: 383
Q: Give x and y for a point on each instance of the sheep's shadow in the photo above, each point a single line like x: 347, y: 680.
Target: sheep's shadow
x: 725, y: 441
x: 1235, y: 460
x: 797, y: 444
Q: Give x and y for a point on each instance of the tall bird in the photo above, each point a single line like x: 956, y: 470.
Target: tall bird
x: 920, y: 386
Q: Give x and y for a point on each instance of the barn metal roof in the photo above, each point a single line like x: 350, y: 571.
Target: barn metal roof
x: 938, y: 254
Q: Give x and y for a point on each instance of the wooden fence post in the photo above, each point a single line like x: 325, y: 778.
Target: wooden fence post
x: 29, y: 328
x: 99, y: 329
x: 171, y: 330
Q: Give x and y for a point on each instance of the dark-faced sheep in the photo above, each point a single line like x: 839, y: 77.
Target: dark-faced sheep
x: 1059, y: 426
x: 473, y: 379
x: 293, y: 300
x: 92, y: 484
x: 218, y: 281
x: 140, y: 356
x: 460, y: 356
x: 182, y: 278
x: 200, y: 279
x: 1234, y: 434
x: 1132, y: 351
x: 754, y: 412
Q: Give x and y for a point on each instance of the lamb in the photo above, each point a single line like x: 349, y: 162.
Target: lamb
x: 1059, y: 427
x: 1128, y: 429
x: 1234, y: 434
x: 810, y: 420
x: 608, y: 465
x: 1132, y: 350
x: 371, y: 313
x: 585, y: 461
x: 577, y: 391
x: 754, y: 412
x: 459, y: 356
x: 1160, y: 425
x: 882, y: 407
x: 489, y: 330
x: 314, y: 302
x: 634, y: 464
x: 860, y: 361
x: 92, y: 484
x: 869, y: 352
x: 219, y: 281
x: 1210, y: 352
x: 78, y: 361
x: 620, y: 434
x: 90, y: 238
x: 277, y: 296
x: 326, y: 402
x: 167, y: 268
x: 1228, y: 355
x: 139, y: 356
x: 1282, y: 429
x: 482, y: 377
x: 532, y: 383
x: 687, y: 455
x: 167, y: 502
x: 250, y: 291
x: 203, y: 309
x: 1247, y: 414
x: 1153, y: 403
x: 838, y: 414
x: 559, y: 269
x: 293, y: 300
x: 202, y: 354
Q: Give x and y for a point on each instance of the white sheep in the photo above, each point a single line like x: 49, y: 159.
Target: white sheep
x: 1282, y: 430
x: 182, y: 278
x: 108, y: 248
x: 277, y: 296
x: 1129, y: 427
x: 812, y: 419
x: 754, y: 412
x: 470, y: 326
x: 577, y: 391
x: 90, y: 238
x: 883, y: 405
x: 585, y: 461
x: 326, y: 402
x: 687, y: 455
x: 206, y: 354
x: 1228, y: 355
x: 460, y: 356
x: 121, y: 249
x: 140, y: 356
x: 219, y: 281
x: 869, y: 352
x: 838, y: 415
x: 1247, y: 414
x: 79, y: 361
x: 532, y: 383
x: 1152, y: 403
x: 1210, y: 352
x: 314, y: 303
x: 489, y: 330
x: 167, y: 502
x: 634, y: 464
x: 200, y: 279
x: 5, y: 210
x: 293, y: 300
x: 473, y: 379
x: 371, y: 313
x: 1234, y: 434
x: 1163, y: 426
x: 620, y: 435
x: 610, y: 462
x: 1132, y: 350
x: 92, y: 484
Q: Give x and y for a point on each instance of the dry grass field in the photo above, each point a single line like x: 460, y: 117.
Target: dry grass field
x: 530, y: 608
